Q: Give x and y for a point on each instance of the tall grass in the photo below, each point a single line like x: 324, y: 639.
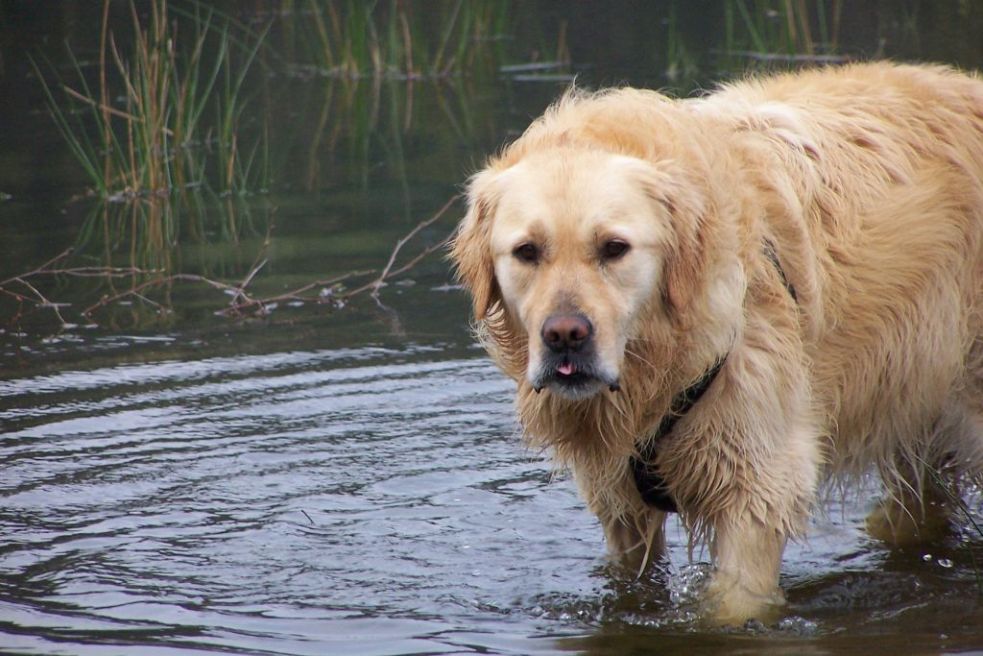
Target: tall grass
x: 681, y: 64
x: 781, y: 30
x: 398, y: 39
x: 151, y: 236
x: 164, y: 115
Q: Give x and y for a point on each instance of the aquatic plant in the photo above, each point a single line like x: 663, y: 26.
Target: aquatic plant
x: 681, y: 64
x: 143, y: 294
x: 165, y: 116
x: 152, y: 235
x: 355, y: 39
x: 780, y: 31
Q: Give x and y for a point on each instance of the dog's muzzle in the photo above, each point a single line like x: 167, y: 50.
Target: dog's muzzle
x: 569, y: 361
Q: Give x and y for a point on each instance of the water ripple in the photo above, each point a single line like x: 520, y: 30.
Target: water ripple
x: 355, y: 502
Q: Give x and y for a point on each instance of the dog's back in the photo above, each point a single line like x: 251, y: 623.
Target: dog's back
x: 886, y: 165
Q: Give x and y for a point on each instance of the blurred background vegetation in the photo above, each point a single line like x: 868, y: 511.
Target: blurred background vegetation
x: 185, y: 149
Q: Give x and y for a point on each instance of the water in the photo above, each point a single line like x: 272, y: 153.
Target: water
x: 372, y: 500
x: 351, y: 481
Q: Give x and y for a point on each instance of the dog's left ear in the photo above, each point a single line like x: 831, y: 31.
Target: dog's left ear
x: 687, y: 213
x: 471, y: 247
x: 685, y: 263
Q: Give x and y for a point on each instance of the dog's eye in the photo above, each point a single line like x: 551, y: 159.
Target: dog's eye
x: 527, y: 253
x: 614, y: 249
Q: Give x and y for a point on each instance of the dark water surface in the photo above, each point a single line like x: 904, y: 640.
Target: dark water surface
x: 352, y: 481
x: 373, y: 500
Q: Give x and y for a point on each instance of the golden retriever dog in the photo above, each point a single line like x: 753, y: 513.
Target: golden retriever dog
x: 711, y: 306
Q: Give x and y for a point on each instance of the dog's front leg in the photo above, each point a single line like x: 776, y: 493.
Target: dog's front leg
x: 636, y: 540
x: 748, y: 556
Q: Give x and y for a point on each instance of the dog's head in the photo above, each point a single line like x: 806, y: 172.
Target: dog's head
x: 595, y: 242
x: 577, y: 251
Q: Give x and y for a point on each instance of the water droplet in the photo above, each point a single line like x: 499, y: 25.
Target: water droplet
x: 945, y: 562
x: 927, y: 558
x: 686, y: 586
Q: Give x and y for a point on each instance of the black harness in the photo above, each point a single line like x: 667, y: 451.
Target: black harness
x: 650, y: 484
x: 648, y: 481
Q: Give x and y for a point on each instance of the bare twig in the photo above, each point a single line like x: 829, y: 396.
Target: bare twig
x: 387, y: 272
x: 242, y: 301
x: 258, y: 264
x: 156, y: 282
x: 149, y: 301
x: 416, y: 260
x: 294, y: 294
x: 57, y: 258
x: 20, y: 297
x: 41, y: 300
x: 241, y: 288
x: 44, y: 302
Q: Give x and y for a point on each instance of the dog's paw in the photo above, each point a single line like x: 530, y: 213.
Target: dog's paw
x: 729, y: 602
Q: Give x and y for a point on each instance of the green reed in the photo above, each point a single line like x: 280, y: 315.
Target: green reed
x: 682, y: 65
x: 164, y: 115
x: 397, y: 39
x: 190, y: 231
x: 803, y: 31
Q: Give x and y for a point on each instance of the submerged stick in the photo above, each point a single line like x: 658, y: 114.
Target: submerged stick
x: 294, y: 294
x: 242, y: 301
x: 387, y: 272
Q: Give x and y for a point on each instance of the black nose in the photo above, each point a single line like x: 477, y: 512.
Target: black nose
x: 566, y: 332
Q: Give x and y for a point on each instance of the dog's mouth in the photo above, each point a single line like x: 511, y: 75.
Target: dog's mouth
x: 566, y: 369
x: 572, y: 376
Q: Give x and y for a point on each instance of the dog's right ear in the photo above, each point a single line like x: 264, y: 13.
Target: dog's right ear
x: 471, y: 247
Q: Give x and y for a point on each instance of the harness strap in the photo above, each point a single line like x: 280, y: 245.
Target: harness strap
x: 648, y: 481
x: 650, y: 484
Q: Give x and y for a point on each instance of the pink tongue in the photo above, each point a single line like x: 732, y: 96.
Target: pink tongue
x: 566, y: 368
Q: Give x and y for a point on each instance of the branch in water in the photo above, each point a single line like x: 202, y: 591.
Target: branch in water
x: 242, y: 301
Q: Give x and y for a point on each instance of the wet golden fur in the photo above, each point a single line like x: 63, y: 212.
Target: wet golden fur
x: 866, y: 180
